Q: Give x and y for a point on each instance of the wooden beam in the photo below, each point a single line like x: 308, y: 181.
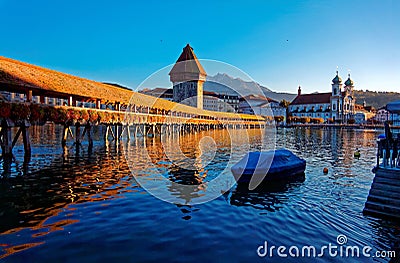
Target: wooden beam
x: 106, y: 133
x: 7, y: 141
x: 78, y: 133
x: 65, y: 136
x: 25, y: 138
x: 16, y: 137
x: 89, y: 134
x: 29, y: 95
x: 122, y: 131
x: 70, y: 132
x: 128, y: 132
x: 84, y: 132
x: 112, y: 133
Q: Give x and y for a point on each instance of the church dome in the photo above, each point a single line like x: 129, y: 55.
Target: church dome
x: 337, y: 79
x: 349, y: 82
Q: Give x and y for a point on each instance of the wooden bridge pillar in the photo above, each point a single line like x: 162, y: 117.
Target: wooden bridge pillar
x: 117, y: 132
x: 136, y: 130
x: 41, y: 99
x: 7, y: 161
x: 29, y: 96
x: 71, y: 101
x: 88, y: 131
x: 6, y: 139
x: 65, y: 135
x: 67, y: 130
x: 128, y: 132
x: 25, y: 138
x: 78, y: 133
x: 107, y: 133
x: 144, y: 130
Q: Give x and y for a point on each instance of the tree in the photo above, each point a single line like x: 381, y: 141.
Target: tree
x: 284, y: 103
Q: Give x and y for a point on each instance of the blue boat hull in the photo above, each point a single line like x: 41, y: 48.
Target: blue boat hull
x: 271, y: 165
x: 278, y: 174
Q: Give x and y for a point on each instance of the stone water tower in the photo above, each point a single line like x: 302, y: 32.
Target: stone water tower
x: 188, y: 76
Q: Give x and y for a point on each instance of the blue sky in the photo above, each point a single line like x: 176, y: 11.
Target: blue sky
x: 280, y: 44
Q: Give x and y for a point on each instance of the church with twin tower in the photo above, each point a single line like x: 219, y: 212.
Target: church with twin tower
x: 188, y: 77
x: 337, y: 105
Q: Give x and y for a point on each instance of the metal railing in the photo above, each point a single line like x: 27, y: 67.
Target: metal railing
x: 388, y: 154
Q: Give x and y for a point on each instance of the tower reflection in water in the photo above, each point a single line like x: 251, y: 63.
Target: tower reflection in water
x: 181, y: 167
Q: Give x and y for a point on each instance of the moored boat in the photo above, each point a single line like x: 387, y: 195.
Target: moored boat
x: 279, y: 164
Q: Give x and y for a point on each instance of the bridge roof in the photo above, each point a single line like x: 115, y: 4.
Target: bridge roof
x: 17, y: 76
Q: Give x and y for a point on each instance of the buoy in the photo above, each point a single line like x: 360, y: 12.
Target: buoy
x: 326, y: 170
x: 357, y: 154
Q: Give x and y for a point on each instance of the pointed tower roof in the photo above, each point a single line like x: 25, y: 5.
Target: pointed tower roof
x: 187, y: 67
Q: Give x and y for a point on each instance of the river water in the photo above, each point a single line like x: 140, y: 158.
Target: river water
x: 80, y: 205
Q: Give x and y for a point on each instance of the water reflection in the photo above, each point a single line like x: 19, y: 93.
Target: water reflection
x: 269, y: 196
x: 189, y: 168
x: 47, y: 201
x: 188, y: 183
x: 387, y: 236
x: 30, y: 200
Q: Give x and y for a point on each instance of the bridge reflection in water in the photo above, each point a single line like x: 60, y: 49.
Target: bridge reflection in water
x: 35, y: 191
x: 88, y: 191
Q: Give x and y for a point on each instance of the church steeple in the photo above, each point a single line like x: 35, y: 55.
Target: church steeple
x: 337, y: 85
x: 349, y: 82
x: 337, y: 79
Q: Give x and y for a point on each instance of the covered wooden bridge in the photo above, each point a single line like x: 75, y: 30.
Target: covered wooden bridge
x: 118, y: 108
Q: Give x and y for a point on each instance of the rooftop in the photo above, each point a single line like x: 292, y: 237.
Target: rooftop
x: 316, y: 98
x: 258, y: 98
x: 187, y: 67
